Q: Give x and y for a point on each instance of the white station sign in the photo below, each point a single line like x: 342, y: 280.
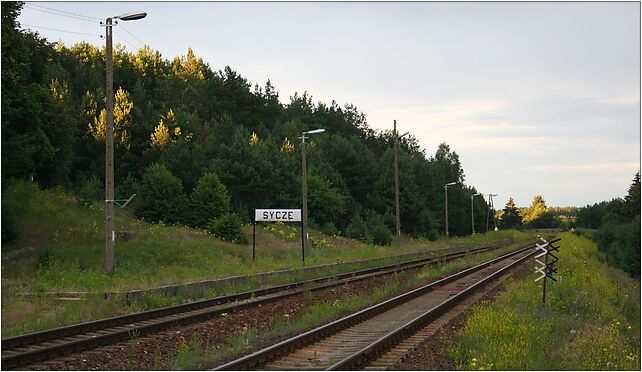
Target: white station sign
x: 274, y: 215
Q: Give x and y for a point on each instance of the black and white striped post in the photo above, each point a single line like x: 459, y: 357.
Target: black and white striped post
x: 546, y: 268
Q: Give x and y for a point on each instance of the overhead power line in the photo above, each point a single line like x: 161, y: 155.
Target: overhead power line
x: 56, y: 29
x: 62, y: 13
x: 126, y: 41
x: 132, y: 35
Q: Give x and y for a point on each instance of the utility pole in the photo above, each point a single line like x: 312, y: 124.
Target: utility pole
x: 472, y: 212
x: 446, y: 204
x: 110, y: 233
x: 396, y: 171
x: 490, y: 205
x: 304, y: 191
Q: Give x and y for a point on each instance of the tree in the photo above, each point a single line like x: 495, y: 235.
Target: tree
x: 161, y: 196
x: 510, y: 216
x: 209, y: 200
x: 619, y: 235
x: 537, y: 215
x: 122, y: 119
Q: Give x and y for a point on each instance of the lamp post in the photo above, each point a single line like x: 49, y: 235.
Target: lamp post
x: 396, y: 173
x: 472, y: 212
x: 490, y: 205
x: 304, y: 183
x: 110, y: 233
x: 446, y: 204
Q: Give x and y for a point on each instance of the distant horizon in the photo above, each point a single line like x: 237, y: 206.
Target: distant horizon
x: 536, y: 98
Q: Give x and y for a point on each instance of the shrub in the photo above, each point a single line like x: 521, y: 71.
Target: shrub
x: 9, y: 225
x: 381, y: 235
x: 161, y: 196
x: 16, y: 199
x: 329, y: 229
x: 228, y: 227
x: 92, y: 189
x: 357, y: 229
x: 209, y: 200
x: 127, y: 187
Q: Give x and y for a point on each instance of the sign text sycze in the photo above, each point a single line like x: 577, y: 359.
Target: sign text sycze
x: 274, y: 215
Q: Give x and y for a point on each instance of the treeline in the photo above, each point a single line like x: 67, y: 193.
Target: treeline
x: 618, y: 228
x: 183, y: 130
x: 617, y: 224
x: 536, y: 216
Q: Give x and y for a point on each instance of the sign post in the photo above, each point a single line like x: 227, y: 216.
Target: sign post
x: 278, y: 215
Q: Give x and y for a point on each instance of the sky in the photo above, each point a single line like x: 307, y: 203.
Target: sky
x: 535, y: 98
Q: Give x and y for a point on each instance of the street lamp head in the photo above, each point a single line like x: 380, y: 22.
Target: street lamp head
x: 132, y: 16
x: 315, y: 131
x: 450, y: 184
x: 403, y: 135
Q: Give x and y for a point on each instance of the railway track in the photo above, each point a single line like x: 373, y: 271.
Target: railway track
x: 376, y: 337
x: 22, y: 350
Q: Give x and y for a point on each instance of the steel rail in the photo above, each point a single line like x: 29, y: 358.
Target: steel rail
x: 59, y: 341
x: 414, y: 325
x: 252, y: 360
x: 17, y: 341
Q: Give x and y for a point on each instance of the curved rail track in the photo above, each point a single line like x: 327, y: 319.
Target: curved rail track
x: 44, y: 345
x: 357, y: 340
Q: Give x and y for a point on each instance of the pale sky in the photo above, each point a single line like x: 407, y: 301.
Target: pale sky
x: 536, y: 98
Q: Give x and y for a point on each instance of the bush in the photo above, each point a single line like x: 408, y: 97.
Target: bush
x: 357, y: 229
x: 209, y: 200
x: 329, y: 229
x: 9, y: 225
x: 228, y: 227
x: 620, y: 243
x: 381, y: 235
x: 17, y: 198
x: 92, y: 189
x: 161, y: 196
x: 127, y: 187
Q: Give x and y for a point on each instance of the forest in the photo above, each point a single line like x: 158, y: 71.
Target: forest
x: 204, y: 148
x: 186, y: 134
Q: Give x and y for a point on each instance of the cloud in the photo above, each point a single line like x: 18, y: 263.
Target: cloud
x: 631, y: 167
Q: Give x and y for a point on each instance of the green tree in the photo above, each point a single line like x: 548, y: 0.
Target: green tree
x: 209, y: 200
x: 161, y: 196
x: 325, y: 203
x: 619, y: 234
x: 537, y: 215
x: 510, y: 216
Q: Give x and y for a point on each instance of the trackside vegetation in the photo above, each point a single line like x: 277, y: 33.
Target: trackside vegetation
x: 591, y: 320
x: 59, y: 247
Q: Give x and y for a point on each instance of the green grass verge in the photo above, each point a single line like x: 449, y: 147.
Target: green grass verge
x: 591, y: 320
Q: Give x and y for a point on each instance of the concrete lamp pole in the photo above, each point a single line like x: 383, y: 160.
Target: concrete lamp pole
x: 110, y: 233
x: 472, y: 212
x: 446, y: 203
x: 396, y: 173
x: 490, y: 206
x: 304, y: 183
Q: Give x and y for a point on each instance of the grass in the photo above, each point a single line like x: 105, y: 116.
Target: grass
x: 60, y: 247
x: 591, y: 320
